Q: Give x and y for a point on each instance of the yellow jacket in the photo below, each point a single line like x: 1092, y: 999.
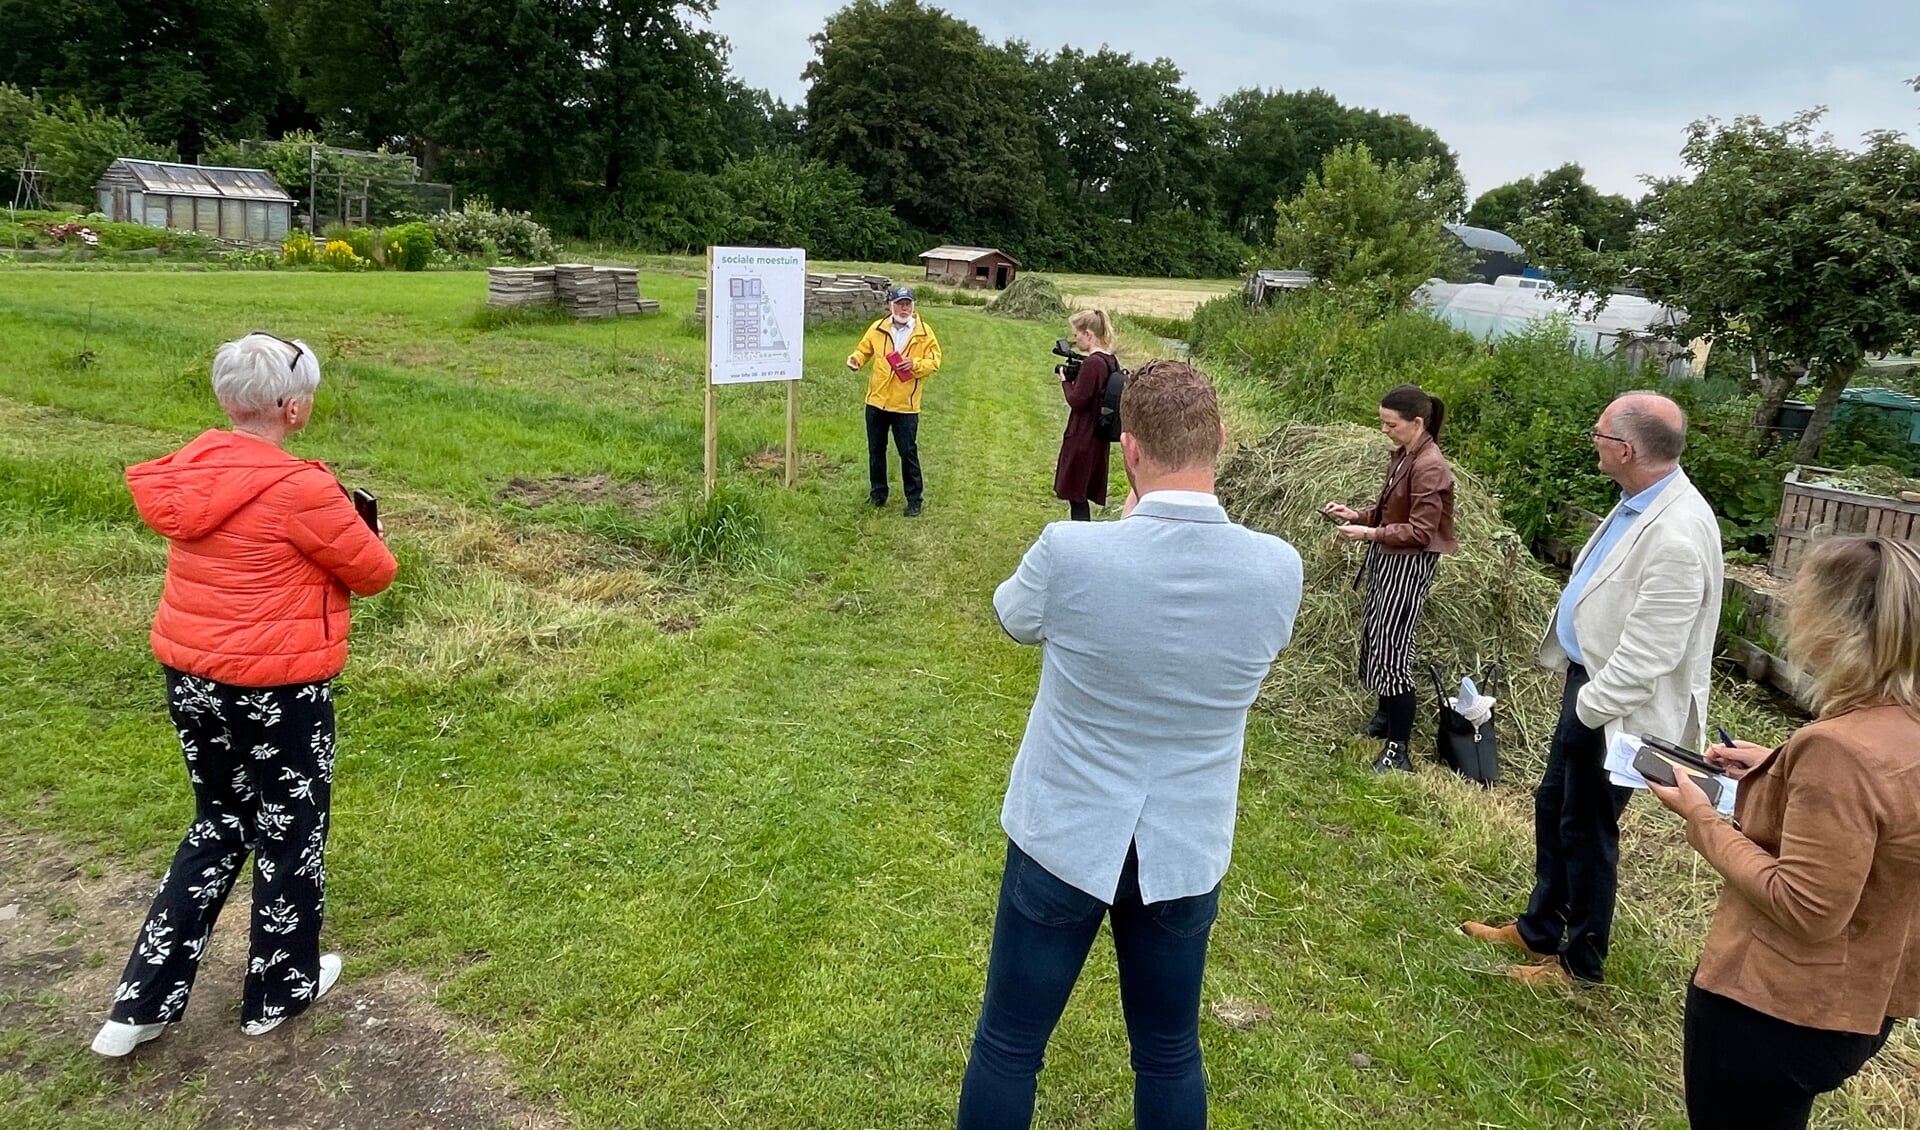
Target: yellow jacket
x: 884, y: 390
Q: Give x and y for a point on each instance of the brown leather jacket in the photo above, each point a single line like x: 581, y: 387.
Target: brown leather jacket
x: 1415, y: 510
x: 1819, y: 921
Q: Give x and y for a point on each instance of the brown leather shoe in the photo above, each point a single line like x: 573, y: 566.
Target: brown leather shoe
x: 1543, y: 975
x: 1507, y: 935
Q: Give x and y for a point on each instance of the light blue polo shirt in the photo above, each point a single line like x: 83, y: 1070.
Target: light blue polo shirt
x: 1608, y: 536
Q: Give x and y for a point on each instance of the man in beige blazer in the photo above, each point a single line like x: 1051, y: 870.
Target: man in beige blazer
x: 1634, y: 633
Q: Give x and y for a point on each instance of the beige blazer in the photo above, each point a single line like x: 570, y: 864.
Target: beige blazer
x: 1647, y: 620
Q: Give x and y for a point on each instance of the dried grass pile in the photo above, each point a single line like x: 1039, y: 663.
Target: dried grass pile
x: 1490, y: 602
x: 1030, y: 298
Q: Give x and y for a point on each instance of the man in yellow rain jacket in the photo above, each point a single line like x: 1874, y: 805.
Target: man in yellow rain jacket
x: 904, y: 354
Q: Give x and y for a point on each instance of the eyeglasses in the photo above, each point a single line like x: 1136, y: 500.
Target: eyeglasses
x: 1595, y: 433
x: 293, y: 366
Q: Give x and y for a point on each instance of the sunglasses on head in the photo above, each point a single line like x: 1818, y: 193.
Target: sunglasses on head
x: 293, y: 366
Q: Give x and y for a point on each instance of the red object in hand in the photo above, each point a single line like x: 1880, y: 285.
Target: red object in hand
x: 902, y: 367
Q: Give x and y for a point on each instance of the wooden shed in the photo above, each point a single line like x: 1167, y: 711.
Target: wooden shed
x: 977, y: 267
x: 243, y: 205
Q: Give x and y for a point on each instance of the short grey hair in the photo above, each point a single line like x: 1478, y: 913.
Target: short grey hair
x: 1656, y: 438
x: 259, y: 373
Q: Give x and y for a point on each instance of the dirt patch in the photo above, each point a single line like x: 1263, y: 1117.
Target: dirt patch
x: 374, y: 1052
x: 638, y: 497
x: 675, y: 625
x: 774, y: 460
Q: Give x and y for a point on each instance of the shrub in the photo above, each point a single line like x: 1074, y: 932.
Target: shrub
x: 478, y: 229
x: 297, y: 249
x: 338, y: 255
x: 409, y: 246
x: 365, y: 243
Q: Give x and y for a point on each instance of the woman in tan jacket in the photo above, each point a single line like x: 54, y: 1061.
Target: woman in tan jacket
x: 1815, y: 945
x: 1409, y: 527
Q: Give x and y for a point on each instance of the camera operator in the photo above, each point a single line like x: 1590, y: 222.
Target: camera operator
x: 1080, y: 477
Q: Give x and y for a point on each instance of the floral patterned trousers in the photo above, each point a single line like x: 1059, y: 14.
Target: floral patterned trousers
x: 260, y: 760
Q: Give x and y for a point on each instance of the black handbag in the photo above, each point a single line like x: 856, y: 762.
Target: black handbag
x: 1469, y: 750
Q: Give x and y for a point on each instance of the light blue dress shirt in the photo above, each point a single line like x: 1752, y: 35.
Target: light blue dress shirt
x: 1604, y: 539
x: 1155, y: 634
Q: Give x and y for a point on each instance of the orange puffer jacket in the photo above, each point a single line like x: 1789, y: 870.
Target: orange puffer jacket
x: 264, y: 550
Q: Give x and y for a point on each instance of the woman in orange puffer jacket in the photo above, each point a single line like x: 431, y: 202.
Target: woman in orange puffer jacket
x: 263, y: 552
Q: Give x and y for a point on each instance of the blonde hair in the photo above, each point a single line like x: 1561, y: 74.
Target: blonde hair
x: 1096, y: 323
x: 1170, y: 409
x: 1851, y: 623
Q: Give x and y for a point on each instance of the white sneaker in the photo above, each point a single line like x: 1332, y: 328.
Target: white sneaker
x: 329, y: 973
x: 117, y: 1039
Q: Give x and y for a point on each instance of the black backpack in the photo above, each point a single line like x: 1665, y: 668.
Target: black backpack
x: 1107, y: 428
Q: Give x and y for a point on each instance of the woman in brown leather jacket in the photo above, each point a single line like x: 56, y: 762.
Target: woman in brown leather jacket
x: 1410, y: 526
x: 1815, y: 944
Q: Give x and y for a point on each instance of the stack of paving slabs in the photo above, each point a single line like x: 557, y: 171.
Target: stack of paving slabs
x: 585, y: 291
x: 520, y: 286
x: 834, y: 298
x: 626, y: 292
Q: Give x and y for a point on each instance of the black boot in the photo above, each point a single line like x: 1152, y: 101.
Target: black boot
x: 1376, y: 726
x: 1394, y: 758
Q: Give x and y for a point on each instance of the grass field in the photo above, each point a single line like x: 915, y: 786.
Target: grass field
x: 697, y: 844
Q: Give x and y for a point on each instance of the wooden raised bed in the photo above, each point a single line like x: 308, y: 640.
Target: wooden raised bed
x: 1811, y: 510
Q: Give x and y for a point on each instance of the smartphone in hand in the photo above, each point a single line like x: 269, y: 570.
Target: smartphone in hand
x: 368, y: 507
x: 1660, y: 771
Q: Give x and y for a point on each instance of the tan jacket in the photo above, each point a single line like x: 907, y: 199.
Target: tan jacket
x: 1646, y: 623
x: 1819, y: 921
x: 1415, y: 510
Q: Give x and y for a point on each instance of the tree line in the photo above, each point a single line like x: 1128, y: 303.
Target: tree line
x: 620, y: 120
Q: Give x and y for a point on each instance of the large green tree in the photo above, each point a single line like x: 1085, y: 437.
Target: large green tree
x: 936, y: 122
x: 346, y: 62
x: 1603, y: 219
x: 1366, y: 227
x: 187, y: 70
x: 1780, y: 244
x: 1266, y: 143
x: 1126, y: 131
x: 495, y: 90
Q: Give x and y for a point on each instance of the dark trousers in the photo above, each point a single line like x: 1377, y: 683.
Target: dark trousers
x: 1081, y: 511
x: 1746, y: 1070
x: 261, y: 764
x: 905, y: 427
x: 1576, y: 843
x: 1042, y: 933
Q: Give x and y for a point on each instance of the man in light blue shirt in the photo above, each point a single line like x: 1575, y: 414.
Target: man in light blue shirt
x: 1155, y: 634
x: 1599, y: 546
x: 1634, y: 633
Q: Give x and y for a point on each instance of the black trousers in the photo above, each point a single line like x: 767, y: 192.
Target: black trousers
x: 905, y: 427
x: 1576, y: 843
x: 260, y: 760
x: 1746, y: 1070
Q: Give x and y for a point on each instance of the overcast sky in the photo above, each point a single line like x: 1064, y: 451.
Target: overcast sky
x: 1515, y: 88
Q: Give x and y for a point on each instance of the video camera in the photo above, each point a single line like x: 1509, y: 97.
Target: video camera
x: 1064, y: 348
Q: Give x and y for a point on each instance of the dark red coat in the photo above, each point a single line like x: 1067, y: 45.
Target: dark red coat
x: 1081, y: 474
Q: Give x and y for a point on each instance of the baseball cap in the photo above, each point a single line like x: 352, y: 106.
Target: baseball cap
x: 900, y: 294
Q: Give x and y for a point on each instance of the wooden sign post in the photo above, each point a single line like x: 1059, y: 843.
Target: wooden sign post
x: 756, y: 331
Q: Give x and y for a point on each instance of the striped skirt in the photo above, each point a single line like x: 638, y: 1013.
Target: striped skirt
x: 1397, y: 588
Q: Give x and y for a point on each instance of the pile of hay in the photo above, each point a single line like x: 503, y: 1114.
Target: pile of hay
x: 1490, y: 602
x: 1031, y: 298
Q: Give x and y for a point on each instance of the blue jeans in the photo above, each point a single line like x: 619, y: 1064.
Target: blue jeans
x: 1042, y: 933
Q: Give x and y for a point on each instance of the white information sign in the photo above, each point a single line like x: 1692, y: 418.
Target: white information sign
x: 756, y: 313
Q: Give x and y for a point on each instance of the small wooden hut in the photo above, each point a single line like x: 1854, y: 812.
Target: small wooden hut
x: 243, y: 205
x: 976, y: 267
